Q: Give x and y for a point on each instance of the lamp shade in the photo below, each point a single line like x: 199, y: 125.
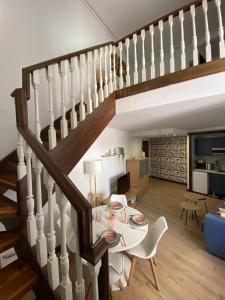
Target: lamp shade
x: 94, y: 167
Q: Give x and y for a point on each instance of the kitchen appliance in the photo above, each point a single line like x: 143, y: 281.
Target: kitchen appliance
x: 200, y: 164
x: 208, y: 166
x: 218, y: 150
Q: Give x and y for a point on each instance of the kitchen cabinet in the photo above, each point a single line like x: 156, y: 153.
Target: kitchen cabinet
x: 203, y: 146
x: 217, y: 184
x: 200, y: 182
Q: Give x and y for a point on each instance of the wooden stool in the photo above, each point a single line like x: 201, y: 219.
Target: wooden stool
x: 196, y: 198
x: 192, y: 207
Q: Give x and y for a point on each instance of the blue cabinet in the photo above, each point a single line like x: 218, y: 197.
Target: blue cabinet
x: 203, y: 146
x: 217, y: 184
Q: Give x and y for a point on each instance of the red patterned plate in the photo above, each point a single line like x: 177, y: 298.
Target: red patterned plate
x: 110, y: 236
x: 116, y: 205
x: 138, y: 219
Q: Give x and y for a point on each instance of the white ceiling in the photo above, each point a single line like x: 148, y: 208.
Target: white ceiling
x: 206, y: 112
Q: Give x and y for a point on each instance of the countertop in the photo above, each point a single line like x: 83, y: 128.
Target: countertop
x: 209, y: 171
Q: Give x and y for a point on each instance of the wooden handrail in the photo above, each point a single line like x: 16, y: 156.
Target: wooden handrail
x: 77, y: 200
x: 44, y: 64
x: 174, y: 13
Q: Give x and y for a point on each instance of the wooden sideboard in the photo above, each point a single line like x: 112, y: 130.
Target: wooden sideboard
x: 139, y: 173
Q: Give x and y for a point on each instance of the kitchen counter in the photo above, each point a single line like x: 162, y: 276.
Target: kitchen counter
x: 209, y: 171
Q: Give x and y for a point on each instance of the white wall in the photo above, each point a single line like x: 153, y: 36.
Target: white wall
x: 32, y: 31
x: 112, y: 166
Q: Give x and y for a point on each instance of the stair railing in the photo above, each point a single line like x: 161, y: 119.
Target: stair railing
x: 76, y: 72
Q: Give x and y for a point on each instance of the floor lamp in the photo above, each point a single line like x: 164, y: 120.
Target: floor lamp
x: 94, y: 168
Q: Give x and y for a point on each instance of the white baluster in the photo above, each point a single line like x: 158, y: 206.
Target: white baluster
x: 195, y: 39
x: 51, y: 130
x: 96, y: 103
x: 114, y: 69
x: 106, y: 88
x: 41, y: 244
x: 207, y: 33
x: 143, y: 55
x: 152, y: 69
x: 52, y: 265
x: 21, y: 167
x: 127, y: 41
x: 80, y: 287
x: 36, y: 84
x: 183, y: 54
x: 110, y: 70
x: 82, y: 82
x: 135, y: 59
x: 31, y: 221
x: 121, y: 65
x: 89, y: 70
x: 94, y: 271
x: 221, y: 29
x: 66, y: 286
x: 172, y: 62
x: 101, y: 92
x: 64, y: 124
x: 161, y: 64
x: 73, y: 114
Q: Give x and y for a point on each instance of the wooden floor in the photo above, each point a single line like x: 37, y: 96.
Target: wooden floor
x: 185, y: 270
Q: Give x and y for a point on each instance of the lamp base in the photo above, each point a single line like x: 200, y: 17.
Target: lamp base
x: 95, y: 199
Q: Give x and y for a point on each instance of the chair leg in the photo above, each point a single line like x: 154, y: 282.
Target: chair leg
x: 154, y: 260
x: 206, y: 208
x: 132, y: 269
x: 154, y: 273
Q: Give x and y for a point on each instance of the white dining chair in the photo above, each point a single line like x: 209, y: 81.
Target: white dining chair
x: 119, y: 198
x: 148, y: 247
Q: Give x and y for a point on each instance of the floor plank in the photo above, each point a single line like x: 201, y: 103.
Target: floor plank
x: 185, y: 270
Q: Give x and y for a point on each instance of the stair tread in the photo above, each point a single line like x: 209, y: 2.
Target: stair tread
x: 16, y: 280
x: 9, y: 239
x: 8, y: 208
x: 8, y: 175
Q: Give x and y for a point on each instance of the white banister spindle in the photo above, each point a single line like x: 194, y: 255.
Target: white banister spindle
x: 21, y: 167
x: 195, y: 39
x: 152, y: 68
x: 135, y: 59
x: 80, y: 287
x: 114, y: 69
x: 208, y: 49
x: 172, y: 62
x: 101, y: 91
x: 36, y: 84
x: 161, y: 64
x: 183, y: 53
x: 221, y: 29
x: 41, y: 243
x: 82, y: 83
x: 127, y: 41
x: 63, y: 122
x: 121, y: 64
x: 31, y: 221
x: 110, y: 70
x: 94, y: 272
x: 89, y: 71
x: 106, y: 87
x: 143, y: 56
x: 51, y: 130
x: 96, y: 99
x: 73, y: 114
x: 52, y: 265
x: 66, y: 286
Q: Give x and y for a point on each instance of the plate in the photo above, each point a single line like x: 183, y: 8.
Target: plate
x: 116, y: 205
x: 139, y: 219
x: 111, y: 237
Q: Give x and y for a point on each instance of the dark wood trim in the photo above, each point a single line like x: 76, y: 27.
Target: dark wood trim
x: 213, y: 67
x: 164, y: 179
x: 103, y: 278
x: 21, y: 108
x: 174, y: 13
x: 206, y: 132
x: 80, y: 139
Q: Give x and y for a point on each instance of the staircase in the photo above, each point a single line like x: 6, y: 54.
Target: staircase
x: 86, y: 84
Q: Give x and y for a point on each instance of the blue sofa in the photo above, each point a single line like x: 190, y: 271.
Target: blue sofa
x: 214, y: 234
